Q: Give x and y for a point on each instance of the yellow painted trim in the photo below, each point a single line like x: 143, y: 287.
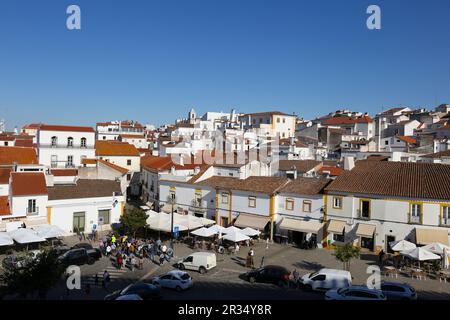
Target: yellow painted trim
x: 225, y: 195
x: 303, y: 206
x: 370, y: 206
x: 420, y: 203
x: 325, y: 229
x: 273, y: 122
x: 342, y: 202
x: 249, y: 202
x: 122, y: 208
x: 294, y: 124
x: 49, y: 215
x: 230, y: 208
x: 286, y: 204
x: 272, y: 215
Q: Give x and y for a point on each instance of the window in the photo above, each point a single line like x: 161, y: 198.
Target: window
x: 445, y: 215
x: 416, y: 212
x: 70, y: 142
x: 283, y: 135
x: 54, y: 161
x: 278, y: 120
x: 230, y: 174
x: 104, y: 137
x: 129, y: 162
x: 103, y: 216
x: 83, y: 142
x: 337, y: 202
x: 225, y: 197
x: 307, y: 206
x: 320, y: 277
x: 54, y: 141
x: 289, y: 204
x: 69, y: 161
x: 32, y: 209
x: 284, y: 120
x: 6, y: 143
x: 252, y: 202
x: 386, y: 142
x: 128, y: 176
x: 364, y: 207
x: 338, y: 237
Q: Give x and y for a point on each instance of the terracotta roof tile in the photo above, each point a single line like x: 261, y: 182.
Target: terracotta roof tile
x: 395, y: 179
x: 88, y: 161
x: 266, y: 185
x: 28, y: 183
x: 19, y: 155
x: 333, y: 171
x: 120, y: 169
x: 305, y: 186
x: 24, y: 143
x: 438, y: 155
x: 4, y: 175
x: 347, y: 120
x: 409, y: 140
x: 64, y: 172
x: 85, y: 188
x: 48, y: 127
x: 115, y: 148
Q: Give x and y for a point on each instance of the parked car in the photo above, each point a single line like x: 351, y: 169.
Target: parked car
x: 19, y: 260
x: 60, y: 249
x: 175, y: 279
x: 198, y: 261
x: 269, y: 274
x: 129, y: 297
x: 146, y: 291
x: 79, y: 257
x: 326, y: 279
x: 398, y: 291
x: 355, y: 293
x: 84, y: 245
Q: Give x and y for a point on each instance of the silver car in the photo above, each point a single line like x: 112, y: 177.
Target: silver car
x: 398, y: 291
x: 355, y: 293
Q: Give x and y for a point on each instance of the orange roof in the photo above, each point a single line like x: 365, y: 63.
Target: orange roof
x: 334, y: 171
x: 88, y: 161
x: 132, y: 136
x: 348, y: 120
x: 409, y: 140
x: 28, y: 183
x: 154, y: 163
x: 64, y: 172
x: 4, y: 206
x: 19, y: 155
x: 4, y: 175
x: 114, y: 166
x: 32, y: 126
x: 115, y: 148
x: 24, y: 143
x: 48, y: 127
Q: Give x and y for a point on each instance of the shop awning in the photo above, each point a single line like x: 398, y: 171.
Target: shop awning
x: 365, y: 230
x: 429, y: 235
x: 336, y: 226
x: 252, y: 221
x: 311, y: 226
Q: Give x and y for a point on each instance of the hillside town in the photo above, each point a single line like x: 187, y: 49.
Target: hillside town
x: 346, y: 177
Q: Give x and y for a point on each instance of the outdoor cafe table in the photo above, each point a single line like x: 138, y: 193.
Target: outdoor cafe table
x: 444, y: 274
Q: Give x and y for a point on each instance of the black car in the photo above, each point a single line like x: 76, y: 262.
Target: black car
x: 79, y: 257
x: 84, y: 245
x: 269, y: 274
x: 146, y: 291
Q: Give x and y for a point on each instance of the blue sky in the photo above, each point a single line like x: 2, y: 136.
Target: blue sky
x: 152, y: 60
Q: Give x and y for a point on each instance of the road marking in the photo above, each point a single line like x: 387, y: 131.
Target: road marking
x: 148, y: 274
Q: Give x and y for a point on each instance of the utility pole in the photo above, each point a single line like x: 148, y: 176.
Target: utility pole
x: 172, y: 200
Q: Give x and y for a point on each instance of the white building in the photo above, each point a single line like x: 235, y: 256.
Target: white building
x: 112, y: 129
x: 64, y: 146
x: 122, y: 154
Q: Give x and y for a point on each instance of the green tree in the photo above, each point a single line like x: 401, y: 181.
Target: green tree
x: 133, y: 220
x: 346, y: 253
x: 36, y: 275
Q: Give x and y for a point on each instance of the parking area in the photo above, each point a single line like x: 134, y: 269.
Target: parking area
x: 224, y: 281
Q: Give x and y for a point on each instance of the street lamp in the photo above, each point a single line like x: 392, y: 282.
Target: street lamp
x: 172, y: 201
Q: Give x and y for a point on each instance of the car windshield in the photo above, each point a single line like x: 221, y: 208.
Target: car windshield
x: 124, y: 291
x: 313, y: 274
x: 185, y: 277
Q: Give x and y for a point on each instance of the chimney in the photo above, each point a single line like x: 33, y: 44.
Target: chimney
x: 349, y: 163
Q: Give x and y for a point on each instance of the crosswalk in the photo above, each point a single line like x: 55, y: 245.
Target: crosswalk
x: 114, y: 274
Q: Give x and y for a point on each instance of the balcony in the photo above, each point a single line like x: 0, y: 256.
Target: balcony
x: 415, y: 219
x: 32, y: 211
x: 62, y: 164
x: 197, y: 206
x: 362, y: 215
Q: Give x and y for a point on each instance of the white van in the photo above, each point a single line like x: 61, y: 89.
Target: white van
x: 198, y: 261
x: 326, y: 279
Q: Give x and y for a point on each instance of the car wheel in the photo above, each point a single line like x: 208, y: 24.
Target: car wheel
x: 181, y: 266
x: 202, y: 270
x: 178, y: 288
x: 91, y: 261
x: 252, y: 279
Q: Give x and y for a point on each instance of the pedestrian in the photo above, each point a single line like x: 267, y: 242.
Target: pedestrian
x: 141, y: 263
x: 164, y: 249
x: 113, y: 239
x: 236, y: 248
x: 262, y: 262
x: 106, y: 279
x: 108, y: 250
x: 119, y: 261
x: 267, y: 243
x: 161, y: 259
x: 381, y: 257
x: 251, y: 254
x: 132, y: 262
x: 296, y: 275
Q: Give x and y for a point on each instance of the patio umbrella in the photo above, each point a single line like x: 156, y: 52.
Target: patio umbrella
x: 235, y: 237
x: 207, y: 222
x: 162, y: 222
x: 402, y: 245
x: 436, y: 247
x: 232, y: 229
x: 189, y: 221
x: 5, y: 239
x: 420, y: 254
x: 216, y: 228
x: 49, y: 231
x: 250, y: 232
x: 203, y: 232
x: 25, y: 236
